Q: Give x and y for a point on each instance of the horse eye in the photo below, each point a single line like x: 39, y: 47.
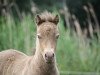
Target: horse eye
x: 57, y: 36
x: 39, y: 36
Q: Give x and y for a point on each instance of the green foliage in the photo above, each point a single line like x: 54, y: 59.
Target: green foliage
x: 17, y: 35
x: 75, y: 54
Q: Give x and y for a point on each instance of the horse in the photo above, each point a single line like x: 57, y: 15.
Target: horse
x: 43, y: 62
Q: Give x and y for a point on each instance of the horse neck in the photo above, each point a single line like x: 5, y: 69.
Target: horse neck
x: 39, y: 60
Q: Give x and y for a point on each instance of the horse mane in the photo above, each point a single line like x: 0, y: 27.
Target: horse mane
x: 47, y: 16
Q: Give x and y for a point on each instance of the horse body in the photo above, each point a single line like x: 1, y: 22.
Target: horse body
x: 13, y: 62
x: 8, y: 60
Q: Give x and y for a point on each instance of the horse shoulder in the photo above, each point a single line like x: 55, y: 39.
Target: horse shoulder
x: 10, y: 54
x: 7, y: 57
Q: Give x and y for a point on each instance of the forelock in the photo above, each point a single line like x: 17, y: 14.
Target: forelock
x: 47, y: 16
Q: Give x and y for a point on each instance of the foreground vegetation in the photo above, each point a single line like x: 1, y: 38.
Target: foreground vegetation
x: 73, y: 53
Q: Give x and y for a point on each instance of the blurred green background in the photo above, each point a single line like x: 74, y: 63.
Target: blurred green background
x: 78, y: 50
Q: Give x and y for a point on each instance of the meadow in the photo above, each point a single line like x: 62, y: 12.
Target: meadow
x: 75, y: 56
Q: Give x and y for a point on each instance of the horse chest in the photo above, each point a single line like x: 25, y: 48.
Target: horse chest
x: 44, y: 72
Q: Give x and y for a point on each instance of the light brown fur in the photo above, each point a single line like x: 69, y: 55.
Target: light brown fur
x: 13, y: 62
x: 47, y: 16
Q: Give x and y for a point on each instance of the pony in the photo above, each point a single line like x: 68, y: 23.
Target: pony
x: 43, y: 62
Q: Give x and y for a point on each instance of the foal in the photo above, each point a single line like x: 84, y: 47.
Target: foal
x: 13, y: 62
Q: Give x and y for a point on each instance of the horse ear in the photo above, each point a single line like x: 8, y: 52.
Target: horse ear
x: 38, y: 19
x: 56, y: 19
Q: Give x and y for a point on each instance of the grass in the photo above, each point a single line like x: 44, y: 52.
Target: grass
x: 17, y: 35
x: 73, y: 53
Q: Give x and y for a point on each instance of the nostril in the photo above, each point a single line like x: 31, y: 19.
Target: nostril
x: 53, y: 55
x: 45, y: 55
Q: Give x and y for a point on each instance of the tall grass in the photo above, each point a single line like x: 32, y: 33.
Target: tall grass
x: 17, y: 35
x: 76, y: 54
x: 73, y: 54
